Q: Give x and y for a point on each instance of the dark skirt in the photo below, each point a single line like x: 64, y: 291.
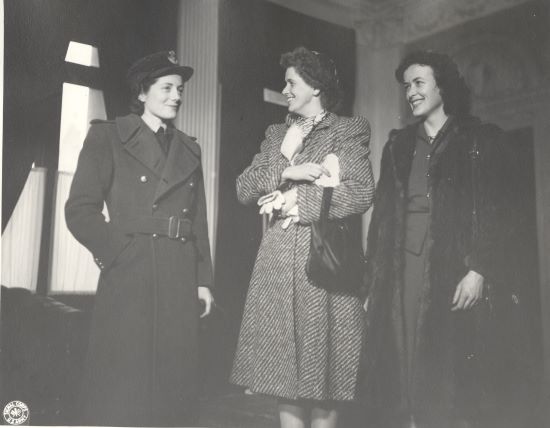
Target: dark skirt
x: 413, y: 285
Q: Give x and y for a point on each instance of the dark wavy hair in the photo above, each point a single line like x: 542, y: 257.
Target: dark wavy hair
x: 318, y: 71
x: 136, y: 88
x: 454, y: 91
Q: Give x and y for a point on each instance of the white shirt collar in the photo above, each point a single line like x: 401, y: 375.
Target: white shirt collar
x: 153, y: 121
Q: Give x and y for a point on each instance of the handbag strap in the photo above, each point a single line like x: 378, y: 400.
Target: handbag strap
x: 327, y: 196
x: 325, y: 204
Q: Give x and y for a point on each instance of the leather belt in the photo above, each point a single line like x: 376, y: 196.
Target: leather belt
x: 173, y: 227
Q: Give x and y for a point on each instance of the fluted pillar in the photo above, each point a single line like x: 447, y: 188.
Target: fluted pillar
x: 199, y: 115
x: 378, y: 98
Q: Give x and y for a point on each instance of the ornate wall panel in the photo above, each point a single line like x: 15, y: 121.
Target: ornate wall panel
x: 381, y: 24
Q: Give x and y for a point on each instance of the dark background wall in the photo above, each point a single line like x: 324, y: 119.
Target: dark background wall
x: 37, y: 34
x: 42, y: 341
x: 252, y: 37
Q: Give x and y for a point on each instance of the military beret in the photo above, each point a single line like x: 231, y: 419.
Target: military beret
x: 157, y: 65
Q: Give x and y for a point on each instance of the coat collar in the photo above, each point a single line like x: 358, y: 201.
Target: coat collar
x: 279, y: 129
x: 182, y: 159
x: 403, y: 142
x: 327, y: 121
x: 128, y: 126
x: 136, y: 138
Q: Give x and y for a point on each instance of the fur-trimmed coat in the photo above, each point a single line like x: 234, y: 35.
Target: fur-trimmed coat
x: 448, y: 354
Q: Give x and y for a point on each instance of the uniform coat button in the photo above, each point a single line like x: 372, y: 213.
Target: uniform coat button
x: 185, y: 210
x: 155, y: 206
x: 155, y: 236
x: 192, y: 184
x: 143, y: 179
x: 183, y: 239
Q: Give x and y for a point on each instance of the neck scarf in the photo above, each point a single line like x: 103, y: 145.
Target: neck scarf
x: 298, y: 129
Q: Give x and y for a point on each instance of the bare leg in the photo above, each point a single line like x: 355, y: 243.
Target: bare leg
x: 324, y: 418
x: 292, y: 415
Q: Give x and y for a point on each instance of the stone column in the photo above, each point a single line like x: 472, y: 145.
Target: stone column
x: 378, y: 95
x: 198, y: 23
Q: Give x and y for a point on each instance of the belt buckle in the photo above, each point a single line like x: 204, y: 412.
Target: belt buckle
x: 173, y: 227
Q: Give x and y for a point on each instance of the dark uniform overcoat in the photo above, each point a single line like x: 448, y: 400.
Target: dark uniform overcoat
x: 298, y: 340
x: 451, y: 372
x: 153, y: 253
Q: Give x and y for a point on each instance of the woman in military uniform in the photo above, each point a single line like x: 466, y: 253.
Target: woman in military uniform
x: 153, y: 253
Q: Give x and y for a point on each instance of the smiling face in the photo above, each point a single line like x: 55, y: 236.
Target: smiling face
x: 163, y: 97
x: 302, y: 99
x: 422, y: 91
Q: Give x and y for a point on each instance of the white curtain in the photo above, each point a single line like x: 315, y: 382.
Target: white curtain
x: 21, y: 238
x: 72, y: 268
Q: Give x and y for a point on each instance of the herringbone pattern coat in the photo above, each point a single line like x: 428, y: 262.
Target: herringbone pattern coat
x: 297, y: 340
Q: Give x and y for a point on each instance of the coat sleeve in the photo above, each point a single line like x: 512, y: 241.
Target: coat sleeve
x: 263, y: 176
x: 200, y: 231
x: 83, y: 209
x: 490, y: 250
x: 355, y: 192
x: 381, y: 226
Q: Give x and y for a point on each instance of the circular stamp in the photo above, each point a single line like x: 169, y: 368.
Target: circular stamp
x: 16, y: 413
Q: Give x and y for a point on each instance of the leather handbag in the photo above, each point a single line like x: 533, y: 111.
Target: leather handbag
x: 335, y: 260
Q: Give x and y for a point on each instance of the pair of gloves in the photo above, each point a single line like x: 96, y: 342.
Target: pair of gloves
x: 274, y: 201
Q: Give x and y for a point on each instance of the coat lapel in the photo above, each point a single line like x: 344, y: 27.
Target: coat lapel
x: 183, y: 159
x: 138, y: 140
x: 317, y: 145
x: 402, y: 150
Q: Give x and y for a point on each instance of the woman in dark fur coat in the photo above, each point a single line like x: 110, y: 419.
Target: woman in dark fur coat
x: 438, y: 247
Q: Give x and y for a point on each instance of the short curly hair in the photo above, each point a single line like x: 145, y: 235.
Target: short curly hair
x: 318, y: 71
x: 136, y: 88
x: 454, y: 91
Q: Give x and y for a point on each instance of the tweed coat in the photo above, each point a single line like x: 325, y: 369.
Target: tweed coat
x: 449, y: 371
x: 297, y: 340
x: 142, y: 357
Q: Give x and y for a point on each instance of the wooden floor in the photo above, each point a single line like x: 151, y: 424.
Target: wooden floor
x: 239, y: 410
x: 235, y: 409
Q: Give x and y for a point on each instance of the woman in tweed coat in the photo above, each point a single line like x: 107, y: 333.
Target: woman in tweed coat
x: 299, y: 342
